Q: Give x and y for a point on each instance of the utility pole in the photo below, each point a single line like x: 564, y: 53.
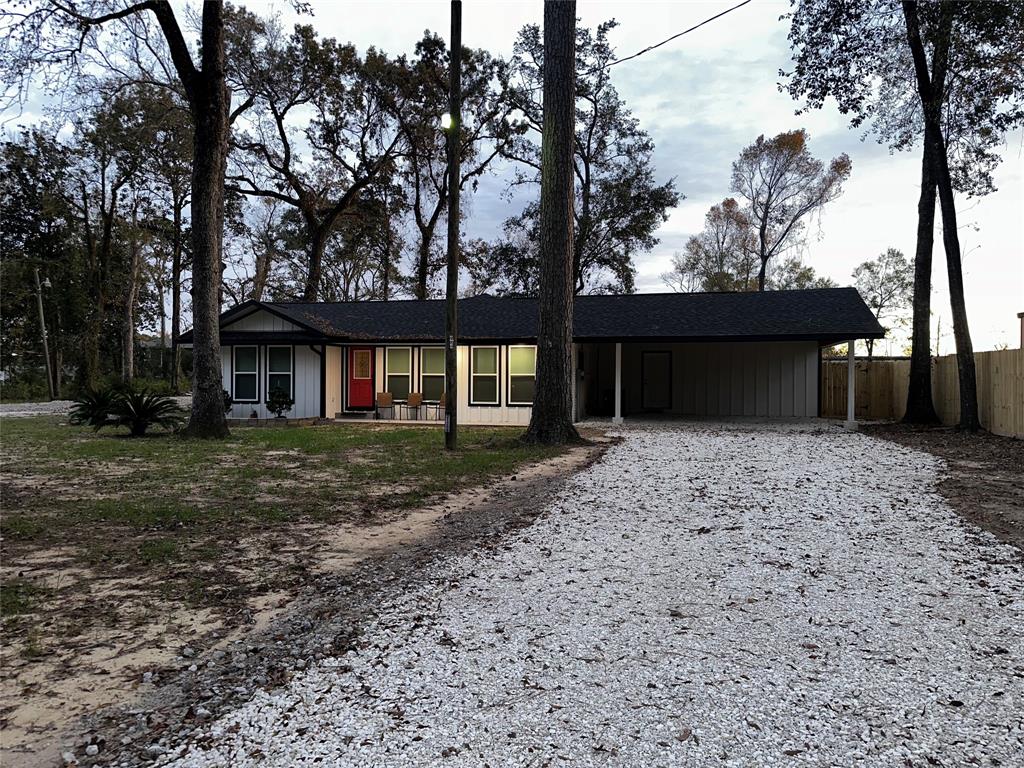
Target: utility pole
x: 42, y: 328
x: 451, y: 324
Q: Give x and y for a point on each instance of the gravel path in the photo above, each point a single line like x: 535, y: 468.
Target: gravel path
x: 747, y: 596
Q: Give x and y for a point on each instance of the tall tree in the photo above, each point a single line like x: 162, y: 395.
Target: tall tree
x: 886, y: 283
x: 618, y: 204
x: 49, y: 36
x: 352, y: 134
x: 483, y: 134
x: 551, y: 421
x: 783, y: 185
x: 872, y: 57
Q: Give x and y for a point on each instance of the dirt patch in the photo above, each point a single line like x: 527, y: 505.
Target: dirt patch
x: 125, y: 692
x: 984, y: 479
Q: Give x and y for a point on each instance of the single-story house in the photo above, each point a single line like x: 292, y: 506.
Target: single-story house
x: 692, y: 354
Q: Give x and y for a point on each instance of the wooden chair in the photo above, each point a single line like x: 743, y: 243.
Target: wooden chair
x: 437, y: 407
x: 413, y: 403
x: 385, y: 402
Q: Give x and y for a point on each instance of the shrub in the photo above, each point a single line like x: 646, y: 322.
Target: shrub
x: 132, y: 407
x: 139, y: 409
x: 95, y: 408
x: 279, y: 402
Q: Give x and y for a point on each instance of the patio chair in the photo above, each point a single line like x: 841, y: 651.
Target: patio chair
x: 437, y: 408
x: 413, y: 403
x: 385, y: 402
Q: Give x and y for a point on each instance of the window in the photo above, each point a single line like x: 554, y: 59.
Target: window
x: 361, y: 364
x: 432, y: 373
x: 522, y: 374
x: 483, y: 380
x: 279, y: 369
x: 398, y: 365
x: 246, y: 366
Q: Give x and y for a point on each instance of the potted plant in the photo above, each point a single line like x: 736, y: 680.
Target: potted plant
x: 279, y: 402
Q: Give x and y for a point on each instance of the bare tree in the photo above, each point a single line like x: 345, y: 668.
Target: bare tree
x: 886, y: 284
x: 783, y: 185
x: 551, y: 421
x: 723, y: 257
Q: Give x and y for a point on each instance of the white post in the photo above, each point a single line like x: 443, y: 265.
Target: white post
x: 618, y: 383
x: 851, y: 385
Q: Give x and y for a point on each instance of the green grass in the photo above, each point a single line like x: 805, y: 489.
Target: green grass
x: 173, y: 510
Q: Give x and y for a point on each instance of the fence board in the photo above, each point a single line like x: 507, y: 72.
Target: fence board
x: 882, y: 389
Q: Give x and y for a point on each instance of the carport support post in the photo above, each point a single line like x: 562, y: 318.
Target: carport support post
x: 851, y: 385
x: 617, y: 419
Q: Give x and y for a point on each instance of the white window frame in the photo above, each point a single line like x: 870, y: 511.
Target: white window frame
x: 496, y: 375
x: 434, y: 375
x: 235, y: 372
x: 291, y: 369
x: 510, y: 375
x: 388, y: 374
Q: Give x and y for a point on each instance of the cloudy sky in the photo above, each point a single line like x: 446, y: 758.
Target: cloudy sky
x: 705, y: 96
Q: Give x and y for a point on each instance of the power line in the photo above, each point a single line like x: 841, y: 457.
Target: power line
x: 650, y: 48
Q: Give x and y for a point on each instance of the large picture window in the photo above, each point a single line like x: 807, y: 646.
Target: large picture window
x: 522, y: 375
x: 432, y: 373
x: 246, y: 375
x: 483, y: 380
x: 279, y: 370
x: 398, y: 367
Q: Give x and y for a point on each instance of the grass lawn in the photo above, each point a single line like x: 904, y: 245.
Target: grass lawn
x: 170, y: 515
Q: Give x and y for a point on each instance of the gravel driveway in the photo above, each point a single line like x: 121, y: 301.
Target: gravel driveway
x: 736, y: 596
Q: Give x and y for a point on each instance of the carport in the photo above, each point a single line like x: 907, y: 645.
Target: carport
x: 713, y: 355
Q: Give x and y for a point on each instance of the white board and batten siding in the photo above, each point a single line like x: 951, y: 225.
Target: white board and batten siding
x: 488, y: 415
x: 758, y: 379
x: 305, y: 370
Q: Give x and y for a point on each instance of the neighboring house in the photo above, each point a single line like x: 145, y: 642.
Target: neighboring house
x: 695, y: 354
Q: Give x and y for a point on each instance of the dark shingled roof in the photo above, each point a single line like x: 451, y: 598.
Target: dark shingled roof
x: 822, y: 314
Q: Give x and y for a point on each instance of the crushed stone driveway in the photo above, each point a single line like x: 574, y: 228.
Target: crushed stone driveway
x: 704, y: 595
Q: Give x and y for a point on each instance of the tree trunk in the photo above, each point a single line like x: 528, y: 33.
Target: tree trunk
x: 422, y: 266
x: 210, y: 114
x: 920, y: 408
x: 318, y: 234
x: 969, y: 419
x: 551, y: 422
x: 176, y: 296
x: 131, y: 292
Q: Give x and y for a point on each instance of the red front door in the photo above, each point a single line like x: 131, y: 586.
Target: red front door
x: 360, y: 377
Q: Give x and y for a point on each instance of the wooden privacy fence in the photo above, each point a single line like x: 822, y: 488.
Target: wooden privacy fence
x: 882, y: 389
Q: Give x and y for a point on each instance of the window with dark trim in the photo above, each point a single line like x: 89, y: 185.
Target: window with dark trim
x: 432, y: 373
x: 280, y: 374
x: 398, y: 372
x: 483, y: 376
x: 522, y: 374
x: 245, y: 371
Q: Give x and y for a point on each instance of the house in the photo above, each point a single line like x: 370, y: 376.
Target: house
x: 694, y: 354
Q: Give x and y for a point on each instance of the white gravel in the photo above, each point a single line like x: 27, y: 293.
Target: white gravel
x: 746, y: 596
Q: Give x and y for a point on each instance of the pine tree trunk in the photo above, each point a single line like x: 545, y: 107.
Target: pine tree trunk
x: 920, y: 407
x: 131, y: 292
x: 210, y: 113
x: 551, y: 422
